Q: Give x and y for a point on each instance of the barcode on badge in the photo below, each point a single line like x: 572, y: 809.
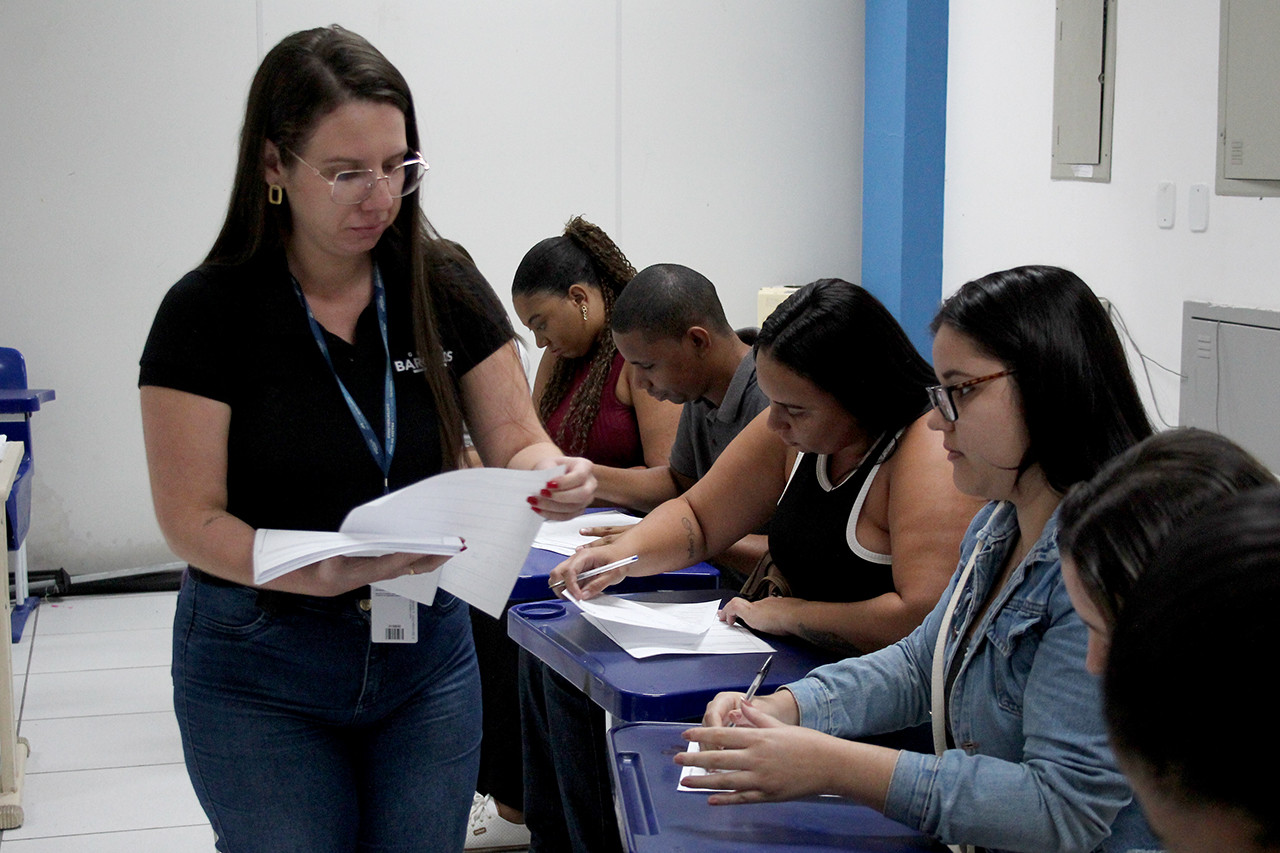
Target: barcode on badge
x: 393, y: 619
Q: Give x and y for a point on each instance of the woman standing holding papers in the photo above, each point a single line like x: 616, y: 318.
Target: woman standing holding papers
x: 1035, y: 395
x: 326, y: 352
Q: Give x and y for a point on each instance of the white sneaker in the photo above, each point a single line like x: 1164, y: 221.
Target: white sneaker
x: 488, y: 830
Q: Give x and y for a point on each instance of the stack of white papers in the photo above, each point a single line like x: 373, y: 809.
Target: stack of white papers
x: 278, y: 552
x: 562, y: 537
x: 647, y: 629
x: 488, y: 508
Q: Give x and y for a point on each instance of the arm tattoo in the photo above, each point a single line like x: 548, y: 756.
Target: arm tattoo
x: 688, y: 529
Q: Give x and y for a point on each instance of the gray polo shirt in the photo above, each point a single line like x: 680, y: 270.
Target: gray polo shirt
x: 706, y: 430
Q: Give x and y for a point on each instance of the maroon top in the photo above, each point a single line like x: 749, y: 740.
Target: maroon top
x: 614, y: 439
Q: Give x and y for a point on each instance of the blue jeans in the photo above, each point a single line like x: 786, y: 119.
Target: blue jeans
x: 300, y: 734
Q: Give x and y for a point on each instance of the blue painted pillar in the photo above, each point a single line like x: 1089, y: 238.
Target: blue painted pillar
x: 903, y: 165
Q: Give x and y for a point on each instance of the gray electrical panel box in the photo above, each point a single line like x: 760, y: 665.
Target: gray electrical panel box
x: 1230, y: 361
x: 1248, y: 83
x: 1084, y: 63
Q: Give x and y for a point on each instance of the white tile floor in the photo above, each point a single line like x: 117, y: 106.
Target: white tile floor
x: 95, y: 701
x: 105, y: 775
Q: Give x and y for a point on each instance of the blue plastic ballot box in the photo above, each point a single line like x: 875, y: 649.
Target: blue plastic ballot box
x: 655, y: 817
x: 532, y: 584
x: 667, y: 687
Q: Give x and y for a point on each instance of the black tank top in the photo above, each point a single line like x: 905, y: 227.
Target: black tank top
x: 813, y: 534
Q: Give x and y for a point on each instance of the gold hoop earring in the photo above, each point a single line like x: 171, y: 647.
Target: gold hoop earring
x: 584, y: 312
x: 275, y: 194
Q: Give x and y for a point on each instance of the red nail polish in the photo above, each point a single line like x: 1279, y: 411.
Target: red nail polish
x: 533, y: 500
x: 546, y: 493
x: 553, y: 484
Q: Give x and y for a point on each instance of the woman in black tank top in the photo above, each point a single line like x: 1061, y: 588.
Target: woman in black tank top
x: 815, y: 545
x: 867, y: 520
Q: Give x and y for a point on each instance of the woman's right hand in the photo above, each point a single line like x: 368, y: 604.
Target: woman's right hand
x: 585, y: 560
x: 725, y: 708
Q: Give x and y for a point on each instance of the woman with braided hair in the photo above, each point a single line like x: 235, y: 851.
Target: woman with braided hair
x: 564, y: 291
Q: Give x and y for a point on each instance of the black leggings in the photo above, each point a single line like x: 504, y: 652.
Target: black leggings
x: 501, y: 754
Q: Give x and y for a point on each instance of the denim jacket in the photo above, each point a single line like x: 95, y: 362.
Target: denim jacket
x: 1033, y: 770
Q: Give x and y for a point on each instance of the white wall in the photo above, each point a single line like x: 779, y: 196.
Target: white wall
x: 726, y: 136
x: 1002, y: 210
x: 118, y: 131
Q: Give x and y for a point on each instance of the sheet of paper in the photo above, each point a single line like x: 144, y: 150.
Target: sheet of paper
x: 693, y: 618
x: 695, y: 634
x: 487, y: 507
x: 562, y: 537
x: 688, y: 770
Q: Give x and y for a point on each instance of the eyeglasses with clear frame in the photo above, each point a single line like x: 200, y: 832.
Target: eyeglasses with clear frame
x: 940, y: 396
x: 354, y: 186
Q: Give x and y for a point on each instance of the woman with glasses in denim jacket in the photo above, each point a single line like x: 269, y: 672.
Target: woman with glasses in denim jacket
x: 326, y: 352
x: 1035, y: 395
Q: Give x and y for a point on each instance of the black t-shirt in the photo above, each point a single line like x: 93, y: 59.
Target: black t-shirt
x: 295, y: 457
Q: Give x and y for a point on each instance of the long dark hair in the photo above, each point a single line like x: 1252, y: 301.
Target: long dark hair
x: 1192, y: 658
x: 301, y: 80
x: 842, y: 339
x: 1079, y: 402
x: 1110, y: 525
x: 583, y: 255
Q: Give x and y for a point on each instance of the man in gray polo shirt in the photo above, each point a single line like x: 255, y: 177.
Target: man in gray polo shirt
x: 669, y: 325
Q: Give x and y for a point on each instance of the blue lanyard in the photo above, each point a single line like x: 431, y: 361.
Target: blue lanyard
x: 381, y: 455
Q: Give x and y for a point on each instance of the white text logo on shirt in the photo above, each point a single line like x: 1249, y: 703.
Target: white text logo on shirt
x: 409, y: 362
x: 412, y: 362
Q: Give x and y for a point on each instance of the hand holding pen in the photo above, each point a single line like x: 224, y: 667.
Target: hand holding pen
x: 755, y: 685
x: 559, y: 586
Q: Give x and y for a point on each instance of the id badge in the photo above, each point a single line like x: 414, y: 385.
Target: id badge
x: 394, y: 618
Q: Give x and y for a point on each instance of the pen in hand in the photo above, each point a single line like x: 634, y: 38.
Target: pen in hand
x: 608, y: 567
x: 756, y: 682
